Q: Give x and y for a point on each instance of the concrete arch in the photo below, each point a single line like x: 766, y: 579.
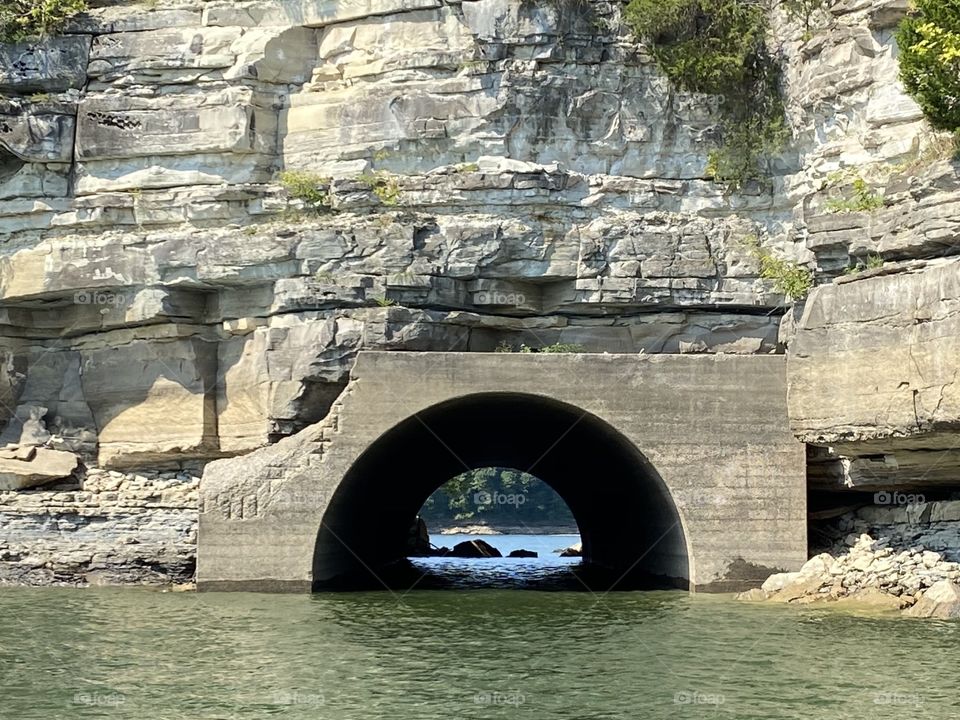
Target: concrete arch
x: 627, y: 518
x: 717, y: 455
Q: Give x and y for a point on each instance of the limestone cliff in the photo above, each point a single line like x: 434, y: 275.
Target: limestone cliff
x: 500, y: 172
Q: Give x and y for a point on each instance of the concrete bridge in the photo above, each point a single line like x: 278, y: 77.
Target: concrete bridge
x: 679, y: 467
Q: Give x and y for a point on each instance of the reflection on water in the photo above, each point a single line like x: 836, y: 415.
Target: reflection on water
x: 128, y: 653
x: 419, y: 653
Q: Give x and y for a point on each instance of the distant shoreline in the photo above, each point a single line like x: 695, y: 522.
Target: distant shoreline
x: 505, y: 530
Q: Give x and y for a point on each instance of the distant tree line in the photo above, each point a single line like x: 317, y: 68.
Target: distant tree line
x: 496, y: 497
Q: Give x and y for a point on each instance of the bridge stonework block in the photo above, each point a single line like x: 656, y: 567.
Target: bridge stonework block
x: 683, y: 464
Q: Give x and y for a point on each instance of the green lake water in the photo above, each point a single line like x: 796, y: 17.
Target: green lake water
x: 133, y: 653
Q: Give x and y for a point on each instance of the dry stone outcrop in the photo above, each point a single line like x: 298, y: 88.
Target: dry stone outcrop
x: 106, y: 527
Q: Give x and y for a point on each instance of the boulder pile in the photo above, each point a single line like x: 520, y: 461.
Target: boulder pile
x: 872, y: 572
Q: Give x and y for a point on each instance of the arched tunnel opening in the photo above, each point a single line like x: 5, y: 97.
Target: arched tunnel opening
x: 631, y: 533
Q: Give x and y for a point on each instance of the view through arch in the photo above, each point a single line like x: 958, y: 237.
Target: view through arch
x: 495, y: 527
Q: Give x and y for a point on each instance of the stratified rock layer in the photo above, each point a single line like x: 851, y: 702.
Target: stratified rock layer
x: 108, y: 528
x: 500, y: 173
x: 873, y: 372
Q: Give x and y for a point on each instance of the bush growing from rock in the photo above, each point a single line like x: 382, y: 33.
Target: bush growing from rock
x: 312, y: 189
x: 31, y: 19
x: 929, y: 41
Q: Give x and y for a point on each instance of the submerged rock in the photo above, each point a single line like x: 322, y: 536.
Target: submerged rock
x: 523, y: 554
x: 872, y: 598
x: 418, y: 541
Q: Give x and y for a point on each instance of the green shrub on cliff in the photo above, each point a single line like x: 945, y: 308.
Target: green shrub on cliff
x: 863, y: 199
x: 929, y: 40
x: 718, y: 47
x: 32, y: 19
x: 790, y: 279
x: 310, y: 188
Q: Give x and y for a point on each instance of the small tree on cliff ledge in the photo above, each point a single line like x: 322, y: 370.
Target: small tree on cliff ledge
x: 34, y: 19
x: 929, y: 41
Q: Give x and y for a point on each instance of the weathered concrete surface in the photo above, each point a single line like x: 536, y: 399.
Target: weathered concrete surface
x: 873, y: 370
x: 723, y: 456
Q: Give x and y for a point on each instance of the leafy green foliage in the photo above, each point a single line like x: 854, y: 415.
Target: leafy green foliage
x: 929, y: 40
x: 873, y: 262
x: 33, y: 19
x: 803, y: 10
x: 311, y: 188
x: 496, y: 496
x: 863, y: 200
x: 718, y: 47
x: 385, y: 186
x: 790, y: 279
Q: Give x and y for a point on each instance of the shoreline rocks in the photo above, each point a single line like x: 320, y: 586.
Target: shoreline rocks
x: 942, y: 601
x: 23, y: 467
x: 871, y: 573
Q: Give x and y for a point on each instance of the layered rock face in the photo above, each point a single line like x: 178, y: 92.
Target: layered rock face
x: 874, y: 371
x: 500, y: 173
x: 496, y: 172
x: 107, y: 528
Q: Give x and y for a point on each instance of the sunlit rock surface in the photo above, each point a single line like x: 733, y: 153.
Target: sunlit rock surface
x: 166, y: 300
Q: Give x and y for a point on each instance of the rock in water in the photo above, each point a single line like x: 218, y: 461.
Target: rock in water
x: 475, y: 549
x: 575, y: 550
x: 522, y: 554
x: 418, y: 541
x: 941, y: 600
x: 872, y: 598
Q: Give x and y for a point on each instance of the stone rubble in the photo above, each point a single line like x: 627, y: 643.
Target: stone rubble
x: 894, y: 568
